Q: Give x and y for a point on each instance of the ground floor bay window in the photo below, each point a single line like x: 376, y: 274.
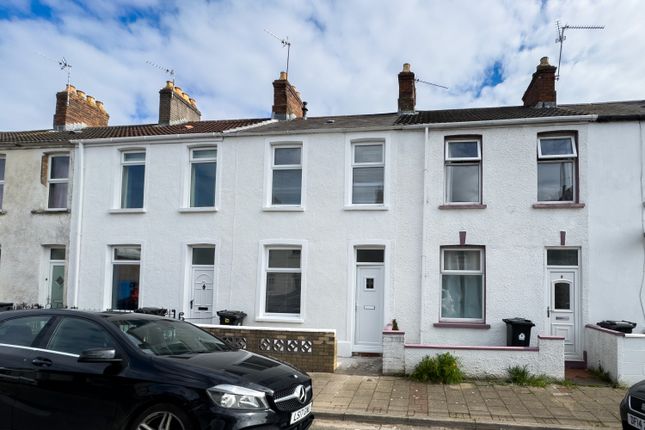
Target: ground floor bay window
x: 462, y: 285
x: 126, y: 264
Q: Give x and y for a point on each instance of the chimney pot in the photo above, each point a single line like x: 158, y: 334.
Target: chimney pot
x: 80, y: 93
x: 406, y: 67
x: 283, y: 76
x: 544, y: 61
x: 90, y: 101
x: 70, y: 88
x: 169, y: 84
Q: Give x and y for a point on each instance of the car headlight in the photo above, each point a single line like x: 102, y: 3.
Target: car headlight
x: 234, y: 397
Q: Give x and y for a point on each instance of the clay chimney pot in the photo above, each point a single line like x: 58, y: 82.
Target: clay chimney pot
x: 283, y: 76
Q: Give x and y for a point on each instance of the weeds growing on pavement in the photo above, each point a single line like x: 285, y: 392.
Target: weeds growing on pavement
x: 442, y: 368
x: 520, y: 375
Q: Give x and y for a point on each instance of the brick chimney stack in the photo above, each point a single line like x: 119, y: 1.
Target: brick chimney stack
x: 286, y: 100
x: 541, y: 91
x: 176, y: 107
x: 407, y: 90
x: 75, y: 110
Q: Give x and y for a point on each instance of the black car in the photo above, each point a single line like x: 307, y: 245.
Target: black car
x: 632, y: 408
x: 64, y: 369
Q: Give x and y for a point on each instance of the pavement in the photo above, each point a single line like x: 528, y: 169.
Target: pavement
x: 396, y: 402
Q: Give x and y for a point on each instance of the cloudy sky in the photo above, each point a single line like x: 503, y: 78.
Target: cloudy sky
x: 345, y: 55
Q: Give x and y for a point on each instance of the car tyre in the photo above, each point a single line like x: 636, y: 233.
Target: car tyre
x: 162, y: 417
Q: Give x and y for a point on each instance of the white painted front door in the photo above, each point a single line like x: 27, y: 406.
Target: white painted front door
x: 369, y: 308
x: 201, y: 303
x: 563, y: 310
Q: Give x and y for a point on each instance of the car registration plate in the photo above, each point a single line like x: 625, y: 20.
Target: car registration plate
x: 636, y: 422
x: 300, y: 414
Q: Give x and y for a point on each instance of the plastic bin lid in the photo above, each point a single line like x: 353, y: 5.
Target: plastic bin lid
x: 519, y: 321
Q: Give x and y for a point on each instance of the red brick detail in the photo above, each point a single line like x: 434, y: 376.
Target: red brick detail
x: 407, y: 90
x: 174, y: 109
x: 286, y: 100
x: 541, y: 90
x: 73, y: 108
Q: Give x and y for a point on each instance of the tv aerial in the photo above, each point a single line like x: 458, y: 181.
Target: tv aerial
x: 561, y: 37
x: 430, y: 83
x: 62, y: 63
x: 285, y: 43
x: 167, y: 70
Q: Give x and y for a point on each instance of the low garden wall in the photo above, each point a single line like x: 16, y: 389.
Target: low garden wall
x: 476, y: 361
x: 308, y: 350
x: 621, y: 355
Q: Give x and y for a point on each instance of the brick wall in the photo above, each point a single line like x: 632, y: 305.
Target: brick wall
x: 74, y: 108
x: 308, y: 350
x: 286, y: 100
x: 175, y: 109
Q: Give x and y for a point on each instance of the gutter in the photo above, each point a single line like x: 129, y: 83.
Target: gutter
x: 615, y: 118
x: 440, y: 125
x: 150, y: 139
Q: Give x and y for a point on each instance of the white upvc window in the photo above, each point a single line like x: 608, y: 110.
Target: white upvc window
x: 58, y: 181
x: 286, y: 175
x: 282, y: 288
x: 462, y: 284
x: 557, y: 169
x: 203, y: 173
x: 2, y: 168
x: 126, y: 269
x: 133, y: 172
x: 463, y: 171
x: 368, y: 173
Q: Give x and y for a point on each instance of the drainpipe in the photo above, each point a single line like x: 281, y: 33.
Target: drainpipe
x: 641, y: 136
x: 424, y: 232
x: 79, y: 222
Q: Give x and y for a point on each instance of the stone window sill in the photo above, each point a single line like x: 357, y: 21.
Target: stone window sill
x: 558, y: 205
x: 197, y: 210
x: 479, y: 326
x: 366, y: 208
x: 285, y: 208
x: 128, y: 211
x: 468, y: 206
x: 50, y: 211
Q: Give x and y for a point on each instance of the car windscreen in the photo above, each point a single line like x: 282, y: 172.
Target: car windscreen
x: 168, y: 337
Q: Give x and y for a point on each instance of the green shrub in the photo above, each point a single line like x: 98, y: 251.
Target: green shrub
x: 520, y: 375
x: 442, y: 368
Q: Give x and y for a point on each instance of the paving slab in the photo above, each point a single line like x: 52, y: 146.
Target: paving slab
x: 482, y: 405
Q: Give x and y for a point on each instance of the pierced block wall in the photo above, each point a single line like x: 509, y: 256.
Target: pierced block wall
x: 308, y: 350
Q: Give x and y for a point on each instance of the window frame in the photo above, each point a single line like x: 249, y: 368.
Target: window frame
x: 351, y: 144
x: 559, y: 158
x: 274, y: 167
x: 112, y: 261
x: 463, y: 161
x: 191, y: 161
x: 123, y: 164
x: 263, y: 268
x: 2, y: 180
x: 50, y: 180
x: 481, y: 272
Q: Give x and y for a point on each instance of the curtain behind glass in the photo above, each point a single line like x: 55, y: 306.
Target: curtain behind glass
x: 461, y: 296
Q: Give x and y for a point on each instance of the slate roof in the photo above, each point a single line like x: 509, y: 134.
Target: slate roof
x: 610, y: 111
x: 63, y: 137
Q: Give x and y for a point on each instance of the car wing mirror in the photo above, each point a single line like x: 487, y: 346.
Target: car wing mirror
x: 99, y: 355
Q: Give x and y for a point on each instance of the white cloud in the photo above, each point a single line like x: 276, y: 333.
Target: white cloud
x: 344, y: 58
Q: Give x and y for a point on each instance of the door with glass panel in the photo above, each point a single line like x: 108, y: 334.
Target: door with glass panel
x: 370, y: 285
x: 564, y: 298
x: 56, y: 279
x: 202, y: 283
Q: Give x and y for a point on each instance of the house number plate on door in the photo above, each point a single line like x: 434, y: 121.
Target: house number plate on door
x: 369, y: 308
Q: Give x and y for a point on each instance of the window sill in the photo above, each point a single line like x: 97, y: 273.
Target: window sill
x: 479, y: 326
x: 50, y: 211
x: 452, y: 206
x: 558, y: 205
x: 285, y: 208
x: 127, y: 211
x: 293, y: 320
x: 197, y: 210
x: 366, y: 208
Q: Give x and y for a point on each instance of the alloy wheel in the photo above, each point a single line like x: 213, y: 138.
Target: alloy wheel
x: 161, y: 420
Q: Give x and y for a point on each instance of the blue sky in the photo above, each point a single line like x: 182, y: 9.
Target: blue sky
x: 345, y: 55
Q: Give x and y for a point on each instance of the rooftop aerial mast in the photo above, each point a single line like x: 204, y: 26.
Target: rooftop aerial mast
x: 561, y: 37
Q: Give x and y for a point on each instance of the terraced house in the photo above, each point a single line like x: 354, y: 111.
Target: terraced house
x: 447, y: 221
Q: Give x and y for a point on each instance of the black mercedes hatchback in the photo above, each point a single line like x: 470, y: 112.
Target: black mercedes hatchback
x: 63, y: 369
x: 632, y: 408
